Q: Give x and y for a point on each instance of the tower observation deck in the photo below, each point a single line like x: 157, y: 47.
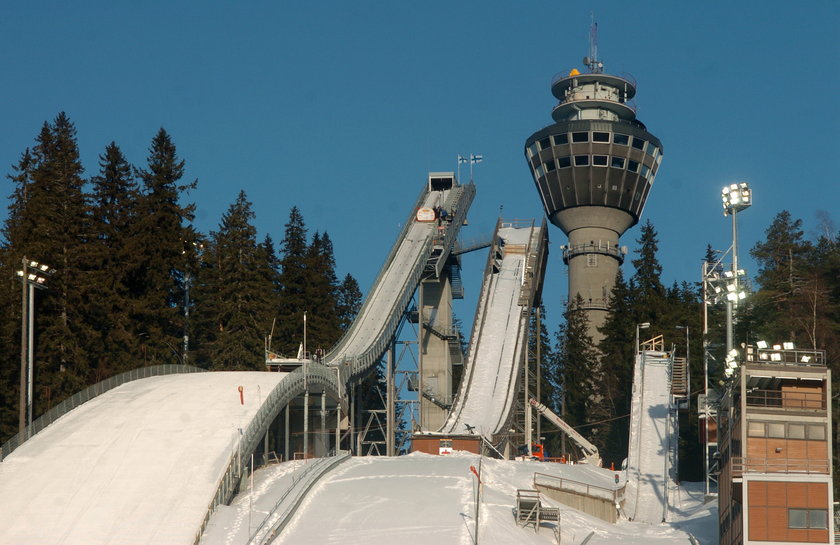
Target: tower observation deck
x: 594, y: 168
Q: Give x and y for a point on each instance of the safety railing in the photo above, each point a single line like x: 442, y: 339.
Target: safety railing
x: 87, y: 394
x: 285, y: 508
x: 570, y: 485
x: 311, y: 375
x: 792, y: 400
x: 741, y: 465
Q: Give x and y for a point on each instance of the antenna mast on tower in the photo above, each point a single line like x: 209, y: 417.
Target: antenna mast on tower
x: 595, y: 66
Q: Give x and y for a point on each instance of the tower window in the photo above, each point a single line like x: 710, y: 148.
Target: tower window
x: 580, y: 137
x: 621, y: 139
x: 816, y: 432
x: 601, y: 137
x: 560, y: 139
x: 632, y: 165
x: 581, y: 160
x: 645, y: 171
x: 564, y: 162
x: 549, y: 165
x: 532, y: 150
x: 651, y: 150
x: 638, y: 143
x: 808, y: 518
x: 540, y: 172
x: 617, y: 162
x: 599, y: 160
x: 545, y: 144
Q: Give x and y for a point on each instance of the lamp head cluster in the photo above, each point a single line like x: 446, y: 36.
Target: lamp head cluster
x: 36, y: 274
x: 736, y: 197
x: 727, y: 285
x: 731, y: 362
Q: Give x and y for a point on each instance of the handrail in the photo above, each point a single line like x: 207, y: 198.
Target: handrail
x: 271, y: 526
x: 562, y: 483
x: 786, y: 400
x: 742, y: 465
x: 299, y: 380
x: 87, y: 394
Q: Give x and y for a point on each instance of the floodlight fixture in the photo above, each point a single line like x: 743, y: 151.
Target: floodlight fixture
x: 761, y: 344
x: 777, y: 347
x: 775, y: 356
x: 736, y: 197
x: 788, y: 345
x: 806, y: 359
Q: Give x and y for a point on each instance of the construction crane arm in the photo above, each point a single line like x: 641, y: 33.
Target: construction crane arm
x: 591, y: 454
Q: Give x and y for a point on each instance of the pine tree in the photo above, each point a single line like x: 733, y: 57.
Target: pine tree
x: 578, y: 371
x: 321, y: 295
x: 349, y: 302
x: 648, y: 291
x: 234, y: 301
x: 159, y: 243
x: 293, y: 282
x: 115, y: 198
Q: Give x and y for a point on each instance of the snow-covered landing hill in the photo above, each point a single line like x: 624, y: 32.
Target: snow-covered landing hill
x: 421, y: 499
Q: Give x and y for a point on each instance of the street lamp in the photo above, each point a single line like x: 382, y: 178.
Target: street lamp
x: 643, y: 325
x: 33, y: 275
x: 735, y: 197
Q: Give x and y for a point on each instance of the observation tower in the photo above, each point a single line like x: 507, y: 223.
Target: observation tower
x: 594, y: 168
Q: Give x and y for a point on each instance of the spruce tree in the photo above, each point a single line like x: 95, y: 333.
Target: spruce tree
x: 293, y: 282
x: 648, y: 291
x: 234, y: 301
x: 321, y: 294
x: 114, y: 200
x: 159, y: 243
x: 349, y: 302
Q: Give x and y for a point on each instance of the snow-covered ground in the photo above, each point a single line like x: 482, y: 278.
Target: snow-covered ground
x: 421, y: 499
x: 487, y: 393
x: 138, y: 464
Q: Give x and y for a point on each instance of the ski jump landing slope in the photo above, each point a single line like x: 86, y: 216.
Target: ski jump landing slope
x: 138, y: 464
x: 497, y: 348
x: 653, y: 440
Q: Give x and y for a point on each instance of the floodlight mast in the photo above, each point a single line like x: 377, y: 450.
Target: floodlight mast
x: 735, y: 197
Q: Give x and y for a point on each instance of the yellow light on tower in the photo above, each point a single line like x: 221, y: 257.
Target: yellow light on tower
x: 736, y: 197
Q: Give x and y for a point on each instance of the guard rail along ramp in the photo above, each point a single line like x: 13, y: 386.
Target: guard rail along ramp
x: 421, y: 249
x: 491, y: 383
x: 651, y: 460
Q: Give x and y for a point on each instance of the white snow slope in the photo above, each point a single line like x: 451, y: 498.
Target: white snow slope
x: 420, y: 499
x: 651, y: 438
x: 137, y: 465
x: 495, y: 353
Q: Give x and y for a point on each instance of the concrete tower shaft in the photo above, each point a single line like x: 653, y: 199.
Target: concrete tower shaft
x: 593, y: 168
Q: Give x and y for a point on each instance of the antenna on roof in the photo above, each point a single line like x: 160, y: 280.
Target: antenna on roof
x: 595, y: 66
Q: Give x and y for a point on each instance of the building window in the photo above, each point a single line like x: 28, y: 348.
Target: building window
x: 580, y: 137
x: 532, y: 150
x: 816, y: 519
x: 549, y: 165
x: 632, y: 165
x: 564, y: 162
x: 776, y: 430
x: 755, y: 429
x: 617, y: 162
x: 560, y: 139
x: 540, y: 171
x: 638, y: 143
x: 621, y: 139
x: 601, y: 137
x: 545, y: 144
x: 796, y: 431
x: 645, y: 171
x: 816, y: 432
x: 599, y: 160
x: 581, y: 160
x: 651, y: 150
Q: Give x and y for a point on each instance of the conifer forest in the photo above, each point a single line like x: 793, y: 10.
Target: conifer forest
x: 135, y: 284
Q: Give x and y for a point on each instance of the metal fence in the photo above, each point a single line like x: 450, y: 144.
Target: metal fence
x: 578, y: 487
x: 285, y: 508
x: 86, y: 395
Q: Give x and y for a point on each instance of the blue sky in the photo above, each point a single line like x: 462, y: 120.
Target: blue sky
x: 341, y: 108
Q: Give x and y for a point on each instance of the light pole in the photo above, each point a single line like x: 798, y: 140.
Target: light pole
x: 643, y: 325
x: 735, y: 197
x: 33, y: 275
